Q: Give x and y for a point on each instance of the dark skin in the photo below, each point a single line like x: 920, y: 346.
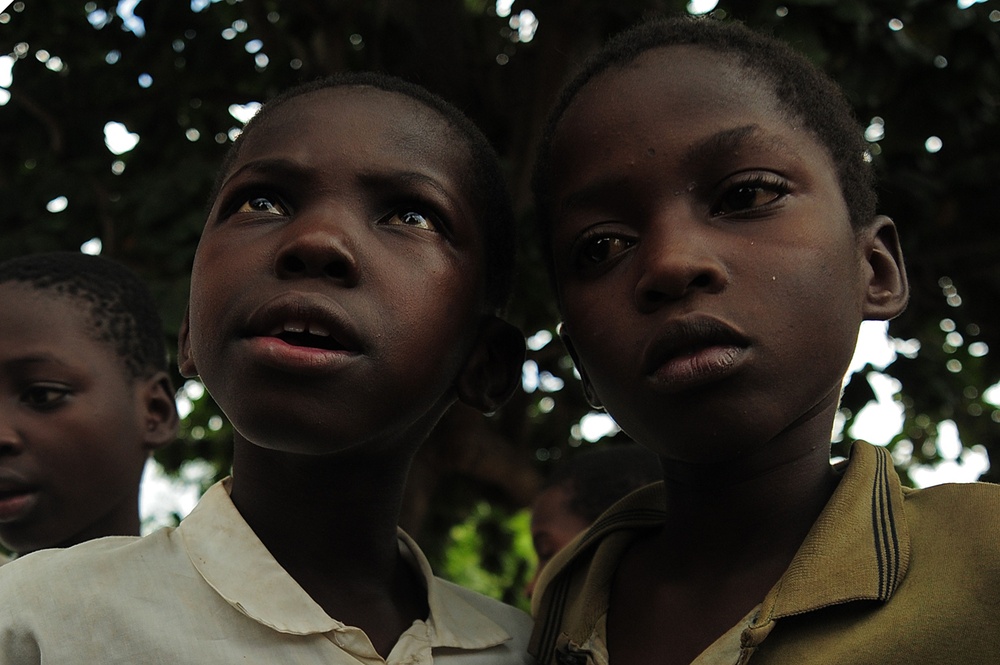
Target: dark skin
x: 336, y: 312
x: 349, y: 565
x: 725, y: 567
x: 76, y: 428
x: 712, y: 286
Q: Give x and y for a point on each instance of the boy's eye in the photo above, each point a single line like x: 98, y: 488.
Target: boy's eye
x: 749, y: 196
x: 263, y: 204
x: 411, y: 218
x: 44, y: 396
x: 596, y: 250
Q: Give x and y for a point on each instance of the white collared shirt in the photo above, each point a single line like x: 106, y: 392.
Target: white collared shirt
x: 208, y: 591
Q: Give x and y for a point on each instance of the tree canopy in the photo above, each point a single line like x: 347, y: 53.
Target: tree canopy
x: 114, y: 117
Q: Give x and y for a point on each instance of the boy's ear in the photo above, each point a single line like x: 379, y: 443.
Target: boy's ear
x: 588, y: 388
x: 888, y: 289
x: 493, y: 369
x: 158, y: 411
x: 185, y: 361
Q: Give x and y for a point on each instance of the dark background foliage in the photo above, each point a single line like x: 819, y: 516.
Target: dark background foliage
x: 170, y: 74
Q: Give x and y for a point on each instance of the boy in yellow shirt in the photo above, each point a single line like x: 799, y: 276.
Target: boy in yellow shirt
x: 711, y: 228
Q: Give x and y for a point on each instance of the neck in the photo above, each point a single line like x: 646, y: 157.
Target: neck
x: 329, y: 516
x: 330, y: 522
x: 122, y: 520
x: 757, y: 507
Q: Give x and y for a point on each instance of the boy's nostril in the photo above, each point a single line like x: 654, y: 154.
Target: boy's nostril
x: 336, y: 269
x: 293, y: 264
x: 701, y: 281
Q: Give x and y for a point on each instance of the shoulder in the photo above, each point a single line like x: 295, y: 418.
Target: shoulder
x: 638, y: 511
x: 969, y: 494
x: 90, y: 589
x: 957, y: 517
x: 573, y: 589
x: 465, y: 622
x: 44, y: 562
x: 505, y: 615
x: 84, y: 571
x: 473, y: 616
x: 959, y: 504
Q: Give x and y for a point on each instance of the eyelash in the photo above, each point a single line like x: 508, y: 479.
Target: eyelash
x: 234, y: 205
x: 434, y: 221
x: 60, y: 392
x: 753, y: 183
x: 590, y: 240
x: 235, y: 202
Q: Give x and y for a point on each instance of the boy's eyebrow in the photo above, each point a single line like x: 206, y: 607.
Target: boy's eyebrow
x: 282, y: 167
x: 729, y: 140
x: 719, y: 143
x: 34, y: 359
x: 375, y: 180
x: 381, y: 181
x: 722, y: 141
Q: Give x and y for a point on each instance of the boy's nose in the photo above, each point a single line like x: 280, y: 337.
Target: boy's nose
x: 317, y: 245
x: 10, y: 441
x: 676, y: 263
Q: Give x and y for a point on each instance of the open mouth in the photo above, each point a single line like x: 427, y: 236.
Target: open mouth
x: 309, y: 335
x: 312, y: 326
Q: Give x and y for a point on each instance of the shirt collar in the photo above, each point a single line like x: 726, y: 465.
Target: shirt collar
x: 223, y: 547
x: 859, y: 547
x: 453, y: 621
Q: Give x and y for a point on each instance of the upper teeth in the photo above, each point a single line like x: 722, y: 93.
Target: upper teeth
x: 318, y: 330
x: 301, y: 327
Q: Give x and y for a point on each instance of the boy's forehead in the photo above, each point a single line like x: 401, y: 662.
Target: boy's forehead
x: 669, y: 98
x: 54, y: 315
x: 679, y: 77
x: 352, y: 123
x: 372, y: 115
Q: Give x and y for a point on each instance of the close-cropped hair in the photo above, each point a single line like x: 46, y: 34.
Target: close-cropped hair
x: 803, y: 92
x: 494, y: 210
x: 119, y: 306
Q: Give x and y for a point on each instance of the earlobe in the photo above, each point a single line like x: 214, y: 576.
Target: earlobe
x: 588, y: 389
x: 185, y: 361
x: 887, y: 290
x: 158, y: 411
x: 493, y: 370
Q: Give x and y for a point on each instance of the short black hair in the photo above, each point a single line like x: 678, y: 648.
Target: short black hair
x: 121, y: 308
x: 599, y: 477
x: 806, y: 93
x: 495, y: 211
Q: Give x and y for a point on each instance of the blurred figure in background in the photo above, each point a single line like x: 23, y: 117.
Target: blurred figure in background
x: 580, y: 489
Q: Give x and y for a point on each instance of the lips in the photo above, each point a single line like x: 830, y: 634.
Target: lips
x: 306, y: 333
x: 307, y: 321
x: 302, y: 334
x: 692, y: 351
x: 16, y: 499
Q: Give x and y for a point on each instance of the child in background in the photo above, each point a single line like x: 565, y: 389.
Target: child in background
x: 85, y: 398
x: 579, y: 490
x: 710, y: 219
x: 344, y: 293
